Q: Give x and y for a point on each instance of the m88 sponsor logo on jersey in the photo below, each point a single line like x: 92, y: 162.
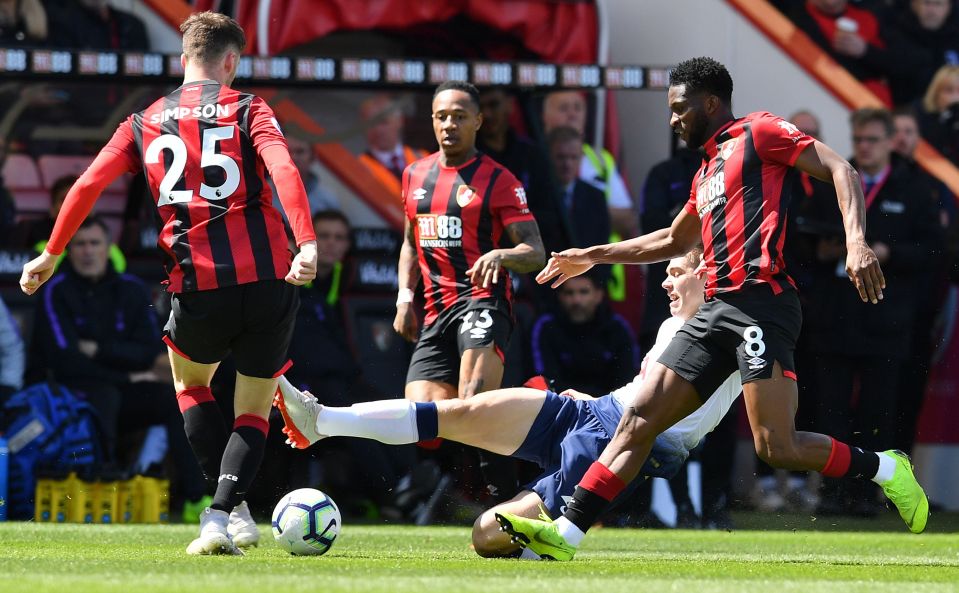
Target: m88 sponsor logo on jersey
x: 440, y: 230
x: 711, y: 193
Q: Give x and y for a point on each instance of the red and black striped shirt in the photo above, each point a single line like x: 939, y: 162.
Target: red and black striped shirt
x: 201, y: 150
x: 458, y: 214
x: 741, y: 193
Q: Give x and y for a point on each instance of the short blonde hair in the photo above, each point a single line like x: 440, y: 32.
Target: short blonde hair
x: 929, y: 101
x: 209, y: 35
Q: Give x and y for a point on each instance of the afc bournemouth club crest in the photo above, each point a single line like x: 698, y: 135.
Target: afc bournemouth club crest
x: 464, y: 194
x: 727, y: 149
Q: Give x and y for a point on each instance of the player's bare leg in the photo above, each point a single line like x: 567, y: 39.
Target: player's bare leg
x: 481, y: 369
x: 429, y: 391
x: 771, y: 406
x: 489, y: 540
x: 665, y: 399
x: 496, y: 421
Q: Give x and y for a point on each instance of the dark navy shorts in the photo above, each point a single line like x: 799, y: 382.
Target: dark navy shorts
x: 568, y: 435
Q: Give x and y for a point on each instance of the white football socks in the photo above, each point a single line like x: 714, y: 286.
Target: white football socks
x: 887, y: 467
x: 391, y: 421
x: 528, y: 554
x: 572, y: 534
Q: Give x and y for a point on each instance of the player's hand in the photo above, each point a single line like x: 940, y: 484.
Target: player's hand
x: 862, y: 267
x: 564, y: 265
x: 303, y: 268
x: 487, y: 269
x: 405, y: 322
x: 572, y: 393
x: 37, y: 271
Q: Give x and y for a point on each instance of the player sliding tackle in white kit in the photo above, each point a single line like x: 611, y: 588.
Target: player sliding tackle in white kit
x: 562, y: 433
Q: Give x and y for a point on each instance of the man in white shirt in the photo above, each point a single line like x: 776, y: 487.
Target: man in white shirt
x: 563, y: 433
x: 597, y: 166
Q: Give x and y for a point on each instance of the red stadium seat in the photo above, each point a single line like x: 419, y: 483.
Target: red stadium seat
x: 20, y: 172
x: 31, y: 201
x: 55, y: 166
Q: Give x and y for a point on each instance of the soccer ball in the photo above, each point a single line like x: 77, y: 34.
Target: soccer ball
x: 306, y: 522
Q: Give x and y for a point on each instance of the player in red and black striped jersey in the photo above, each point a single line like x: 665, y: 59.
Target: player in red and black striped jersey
x: 206, y: 150
x: 461, y: 209
x: 751, y: 319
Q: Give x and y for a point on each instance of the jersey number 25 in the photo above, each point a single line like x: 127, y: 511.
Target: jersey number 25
x: 208, y: 158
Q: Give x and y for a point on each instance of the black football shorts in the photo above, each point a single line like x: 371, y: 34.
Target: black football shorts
x: 464, y: 326
x: 254, y: 321
x: 748, y: 330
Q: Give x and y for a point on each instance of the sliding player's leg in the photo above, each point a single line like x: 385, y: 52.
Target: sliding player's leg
x: 664, y: 399
x: 490, y: 541
x: 497, y: 421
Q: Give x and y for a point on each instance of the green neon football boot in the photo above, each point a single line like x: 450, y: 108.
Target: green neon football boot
x: 539, y: 535
x: 906, y: 493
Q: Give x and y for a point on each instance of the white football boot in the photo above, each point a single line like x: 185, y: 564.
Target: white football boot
x: 242, y: 527
x: 299, y: 411
x: 214, y: 535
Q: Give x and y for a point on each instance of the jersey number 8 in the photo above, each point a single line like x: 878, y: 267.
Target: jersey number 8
x: 208, y: 158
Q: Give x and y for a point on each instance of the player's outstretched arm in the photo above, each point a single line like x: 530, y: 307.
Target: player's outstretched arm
x: 862, y: 265
x: 408, y: 272
x: 680, y: 237
x: 527, y: 255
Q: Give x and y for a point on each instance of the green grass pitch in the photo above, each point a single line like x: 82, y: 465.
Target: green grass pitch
x: 397, y: 559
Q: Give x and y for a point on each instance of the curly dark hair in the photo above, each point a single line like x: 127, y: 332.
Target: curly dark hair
x: 460, y: 85
x: 703, y: 75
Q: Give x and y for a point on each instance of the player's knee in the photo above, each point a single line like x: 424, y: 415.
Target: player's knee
x: 777, y: 451
x: 487, y: 538
x: 635, y: 429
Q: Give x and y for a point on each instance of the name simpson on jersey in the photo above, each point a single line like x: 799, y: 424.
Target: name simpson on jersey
x: 209, y: 110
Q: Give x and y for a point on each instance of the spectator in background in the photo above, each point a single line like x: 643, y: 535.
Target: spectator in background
x: 22, y: 22
x: 915, y: 370
x: 526, y: 161
x: 584, y: 346
x: 906, y: 136
x: 386, y: 156
x: 305, y: 160
x: 868, y: 345
x: 939, y: 118
x: 597, y: 166
x: 930, y: 40
x: 95, y: 24
x: 853, y: 36
x: 96, y: 333
x: 584, y: 205
x: 320, y: 350
x: 12, y: 358
x: 33, y: 233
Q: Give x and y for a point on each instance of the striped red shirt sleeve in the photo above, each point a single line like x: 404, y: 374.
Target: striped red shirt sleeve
x: 508, y: 201
x: 778, y: 141
x: 270, y: 144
